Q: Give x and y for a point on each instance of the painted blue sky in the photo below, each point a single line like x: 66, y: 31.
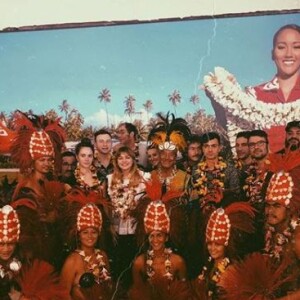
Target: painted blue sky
x: 38, y: 69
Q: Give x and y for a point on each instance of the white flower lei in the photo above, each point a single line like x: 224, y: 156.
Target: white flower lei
x: 14, y: 268
x: 97, y: 268
x: 123, y: 199
x: 244, y: 107
x: 168, y: 264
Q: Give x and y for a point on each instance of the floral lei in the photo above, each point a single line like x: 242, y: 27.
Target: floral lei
x: 123, y: 199
x: 149, y: 262
x: 253, y: 183
x: 216, y: 274
x: 276, y: 241
x: 241, y: 105
x: 206, y: 180
x: 13, y: 268
x: 97, y: 268
x: 80, y: 179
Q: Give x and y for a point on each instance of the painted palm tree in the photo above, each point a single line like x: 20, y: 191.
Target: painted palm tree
x: 195, y: 99
x: 175, y: 98
x: 129, y: 105
x: 105, y: 96
x: 148, y: 105
x: 64, y: 108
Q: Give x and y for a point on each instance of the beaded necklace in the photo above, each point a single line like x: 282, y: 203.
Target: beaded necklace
x: 149, y: 264
x: 80, y: 179
x: 167, y: 180
x: 97, y: 267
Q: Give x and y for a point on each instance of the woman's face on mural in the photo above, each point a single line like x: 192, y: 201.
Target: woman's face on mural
x: 286, y: 52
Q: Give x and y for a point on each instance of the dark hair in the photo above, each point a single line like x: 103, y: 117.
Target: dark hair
x: 152, y: 146
x: 288, y: 26
x: 131, y: 128
x: 292, y: 124
x: 206, y: 137
x: 194, y: 138
x: 244, y: 134
x: 259, y: 132
x: 68, y: 154
x: 85, y: 142
x: 101, y: 131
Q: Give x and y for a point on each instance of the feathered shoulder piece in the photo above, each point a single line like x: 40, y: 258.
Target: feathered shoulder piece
x: 39, y: 281
x: 36, y: 137
x: 170, y: 133
x: 286, y: 162
x: 241, y: 216
x: 256, y: 277
x: 154, y: 190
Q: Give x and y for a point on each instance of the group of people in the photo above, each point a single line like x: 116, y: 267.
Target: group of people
x: 170, y: 220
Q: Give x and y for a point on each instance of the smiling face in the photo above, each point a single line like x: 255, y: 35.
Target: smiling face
x: 88, y: 238
x: 286, y: 53
x: 103, y: 143
x: 157, y: 240
x: 167, y: 158
x: 216, y: 250
x: 153, y: 156
x: 7, y: 250
x: 292, y: 140
x: 258, y: 147
x: 125, y: 162
x: 85, y: 157
x: 43, y: 165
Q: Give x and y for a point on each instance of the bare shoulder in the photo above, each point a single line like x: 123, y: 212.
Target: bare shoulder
x: 139, y: 262
x: 73, y: 259
x: 177, y: 259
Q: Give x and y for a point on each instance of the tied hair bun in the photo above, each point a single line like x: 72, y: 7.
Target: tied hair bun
x: 86, y: 142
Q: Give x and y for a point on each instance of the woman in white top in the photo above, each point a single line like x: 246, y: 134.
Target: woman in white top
x: 125, y: 188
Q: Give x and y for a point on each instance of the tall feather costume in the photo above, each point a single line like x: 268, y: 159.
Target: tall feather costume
x: 37, y: 201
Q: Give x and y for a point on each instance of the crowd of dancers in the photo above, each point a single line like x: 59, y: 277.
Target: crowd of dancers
x: 173, y: 219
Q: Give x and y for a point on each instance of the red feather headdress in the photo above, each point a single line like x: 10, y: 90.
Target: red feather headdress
x: 236, y: 216
x: 36, y: 137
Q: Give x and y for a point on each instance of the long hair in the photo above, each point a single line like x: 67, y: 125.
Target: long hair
x: 117, y: 175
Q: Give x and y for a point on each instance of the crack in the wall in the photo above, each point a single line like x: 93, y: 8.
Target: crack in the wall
x: 208, y: 51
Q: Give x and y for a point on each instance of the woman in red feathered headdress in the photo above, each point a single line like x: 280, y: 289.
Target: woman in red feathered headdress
x: 36, y: 150
x: 85, y: 273
x: 159, y: 273
x: 17, y: 281
x: 222, y: 241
